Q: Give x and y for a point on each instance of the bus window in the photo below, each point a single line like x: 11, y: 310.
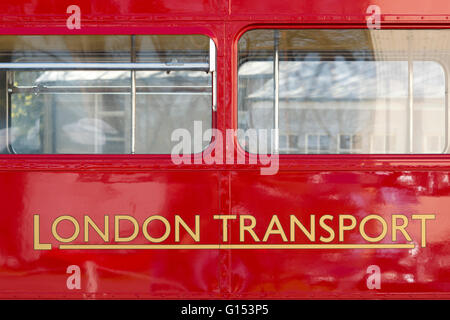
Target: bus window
x: 102, y: 94
x: 345, y: 91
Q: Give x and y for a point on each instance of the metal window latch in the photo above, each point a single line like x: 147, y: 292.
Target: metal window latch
x: 38, y: 88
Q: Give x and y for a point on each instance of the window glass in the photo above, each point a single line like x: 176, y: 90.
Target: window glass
x: 345, y: 91
x: 91, y: 111
x: 179, y: 99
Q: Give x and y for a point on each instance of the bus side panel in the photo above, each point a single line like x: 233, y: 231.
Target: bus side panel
x: 327, y: 272
x: 27, y: 272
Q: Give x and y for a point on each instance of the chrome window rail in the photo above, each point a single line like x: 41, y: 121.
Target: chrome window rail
x: 100, y: 66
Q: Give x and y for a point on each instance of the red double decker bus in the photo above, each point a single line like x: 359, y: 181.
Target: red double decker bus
x: 224, y: 149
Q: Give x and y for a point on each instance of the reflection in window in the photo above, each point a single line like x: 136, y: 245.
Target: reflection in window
x: 350, y: 143
x: 363, y: 91
x: 288, y: 142
x: 433, y: 143
x: 382, y: 143
x: 317, y: 143
x: 90, y: 111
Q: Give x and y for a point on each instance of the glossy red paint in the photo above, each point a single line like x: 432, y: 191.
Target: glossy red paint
x: 142, y: 185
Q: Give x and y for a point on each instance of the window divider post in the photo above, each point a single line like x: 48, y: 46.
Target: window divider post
x: 133, y: 97
x: 276, y: 92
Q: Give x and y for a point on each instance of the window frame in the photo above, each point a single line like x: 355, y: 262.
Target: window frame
x: 133, y: 67
x: 352, y: 156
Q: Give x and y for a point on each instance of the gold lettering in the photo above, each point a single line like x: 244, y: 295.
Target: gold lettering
x: 55, y: 226
x: 279, y: 230
x: 195, y: 236
x: 423, y: 218
x: 343, y: 227
x: 402, y: 227
x: 224, y: 219
x: 149, y: 237
x: 326, y: 228
x: 249, y: 229
x: 363, y: 233
x: 89, y: 222
x: 117, y: 220
x: 37, y: 244
x: 310, y: 234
